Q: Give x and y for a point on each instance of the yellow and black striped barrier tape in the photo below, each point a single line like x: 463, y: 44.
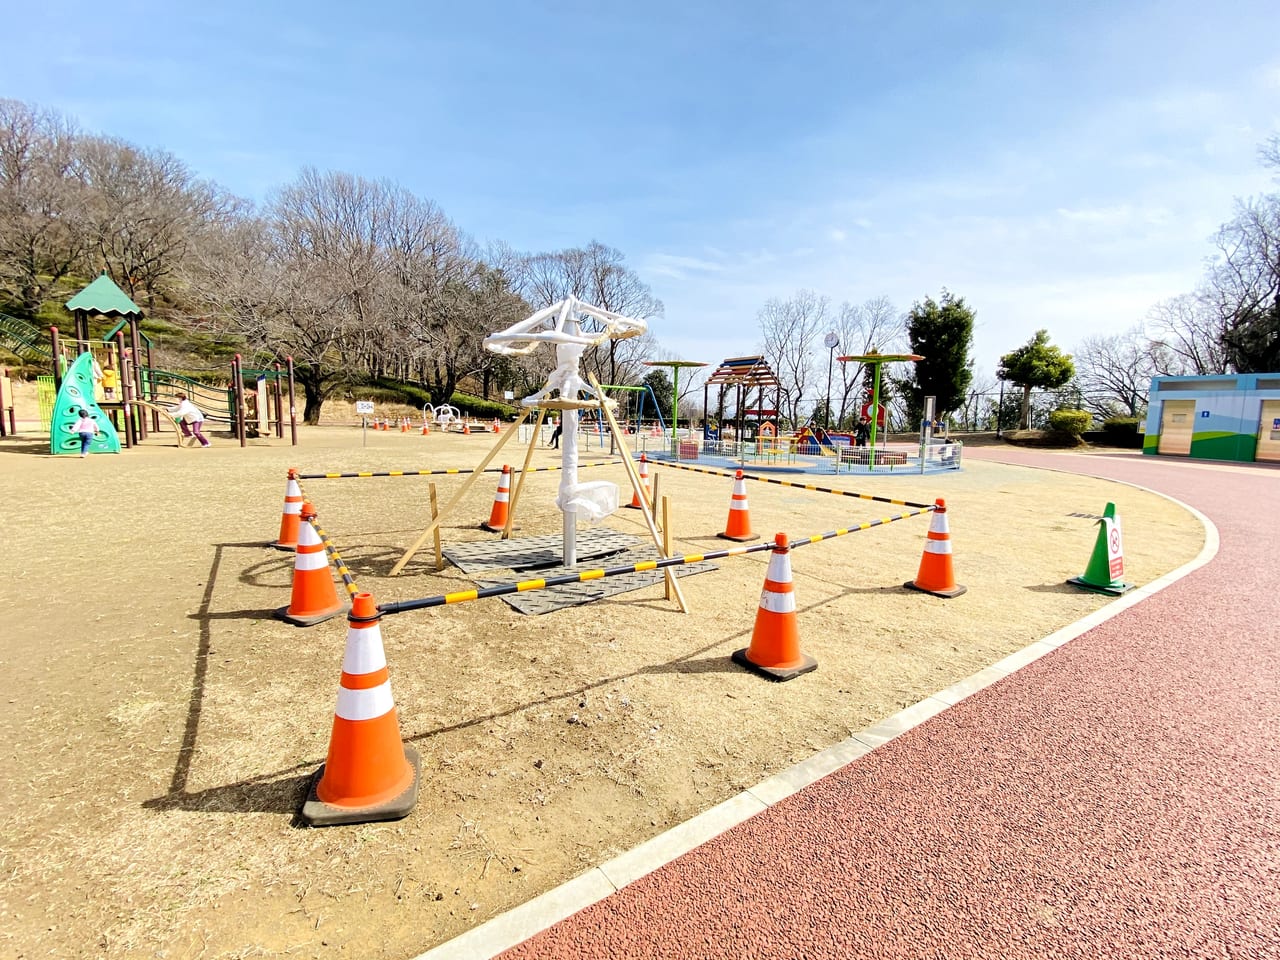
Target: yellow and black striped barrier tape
x: 435, y: 473
x: 522, y: 586
x: 335, y: 558
x: 788, y: 483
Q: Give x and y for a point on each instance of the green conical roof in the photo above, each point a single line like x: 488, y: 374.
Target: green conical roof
x: 104, y: 297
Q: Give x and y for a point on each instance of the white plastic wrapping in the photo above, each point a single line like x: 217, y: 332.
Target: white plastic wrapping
x: 591, y: 501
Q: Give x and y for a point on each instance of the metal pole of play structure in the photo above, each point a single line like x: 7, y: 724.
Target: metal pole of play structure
x: 293, y: 407
x: 875, y: 360
x: 675, y: 366
x: 279, y: 403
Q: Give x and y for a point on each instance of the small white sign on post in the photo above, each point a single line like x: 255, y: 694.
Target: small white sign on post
x: 364, y: 408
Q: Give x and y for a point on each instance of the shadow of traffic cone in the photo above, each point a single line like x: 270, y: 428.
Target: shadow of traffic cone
x: 498, y: 515
x: 635, y: 503
x: 775, y: 641
x: 739, y: 525
x: 314, y: 598
x: 935, y: 575
x: 288, y: 538
x: 370, y: 773
x: 1106, y: 564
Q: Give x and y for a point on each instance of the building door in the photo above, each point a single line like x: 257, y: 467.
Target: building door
x: 1177, y: 423
x: 1269, y: 432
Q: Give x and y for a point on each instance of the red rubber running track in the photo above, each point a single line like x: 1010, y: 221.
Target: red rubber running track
x: 1119, y: 797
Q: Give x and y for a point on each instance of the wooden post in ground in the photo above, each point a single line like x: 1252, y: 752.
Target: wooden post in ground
x: 657, y: 477
x: 435, y: 513
x: 457, y: 497
x: 646, y: 508
x: 666, y: 546
x: 528, y: 456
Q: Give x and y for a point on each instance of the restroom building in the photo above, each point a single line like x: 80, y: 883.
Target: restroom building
x: 1227, y: 417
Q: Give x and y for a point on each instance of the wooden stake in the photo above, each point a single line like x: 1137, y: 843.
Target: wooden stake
x: 457, y: 497
x: 645, y: 509
x: 657, y: 477
x: 666, y: 543
x: 435, y: 513
x: 528, y: 455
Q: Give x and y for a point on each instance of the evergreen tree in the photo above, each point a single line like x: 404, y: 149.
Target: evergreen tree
x: 1036, y: 363
x: 941, y: 331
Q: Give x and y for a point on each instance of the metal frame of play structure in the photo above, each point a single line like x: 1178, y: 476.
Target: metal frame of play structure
x: 79, y: 363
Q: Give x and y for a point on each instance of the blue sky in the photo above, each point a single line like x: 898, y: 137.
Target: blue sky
x: 1058, y: 165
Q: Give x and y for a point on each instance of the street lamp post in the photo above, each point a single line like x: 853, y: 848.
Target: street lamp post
x: 831, y: 341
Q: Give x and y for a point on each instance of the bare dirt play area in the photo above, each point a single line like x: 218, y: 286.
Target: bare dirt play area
x: 159, y: 726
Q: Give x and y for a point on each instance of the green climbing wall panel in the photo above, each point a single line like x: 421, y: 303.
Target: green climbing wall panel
x: 76, y: 394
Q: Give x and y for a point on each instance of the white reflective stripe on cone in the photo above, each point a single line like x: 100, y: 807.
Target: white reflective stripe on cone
x: 364, y: 652
x: 737, y: 505
x: 939, y: 524
x: 364, y: 704
x: 779, y: 569
x: 293, y: 507
x: 937, y: 546
x: 501, y: 497
x: 310, y: 561
x: 778, y: 602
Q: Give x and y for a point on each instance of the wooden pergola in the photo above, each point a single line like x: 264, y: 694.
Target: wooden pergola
x: 745, y: 373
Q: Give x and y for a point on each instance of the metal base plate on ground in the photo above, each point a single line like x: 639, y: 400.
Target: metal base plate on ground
x: 535, y: 553
x: 535, y: 602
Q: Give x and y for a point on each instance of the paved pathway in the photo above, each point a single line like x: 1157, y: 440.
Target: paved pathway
x: 1119, y: 797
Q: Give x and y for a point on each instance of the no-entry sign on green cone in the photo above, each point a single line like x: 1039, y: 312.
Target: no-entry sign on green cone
x: 1106, y: 565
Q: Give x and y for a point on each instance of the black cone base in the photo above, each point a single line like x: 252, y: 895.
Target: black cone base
x: 775, y: 673
x: 317, y: 813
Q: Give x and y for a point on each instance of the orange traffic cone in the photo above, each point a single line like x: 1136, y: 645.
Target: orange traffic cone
x: 314, y: 597
x: 775, y: 641
x: 635, y: 503
x: 426, y: 430
x: 739, y: 525
x: 369, y: 773
x: 495, y: 424
x: 935, y: 575
x: 498, y: 515
x: 466, y: 429
x: 288, y: 538
x: 404, y: 425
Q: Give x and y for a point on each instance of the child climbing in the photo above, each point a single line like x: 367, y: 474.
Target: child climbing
x: 87, y: 427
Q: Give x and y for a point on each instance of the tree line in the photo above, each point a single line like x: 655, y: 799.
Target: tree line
x: 361, y: 279
x: 356, y: 279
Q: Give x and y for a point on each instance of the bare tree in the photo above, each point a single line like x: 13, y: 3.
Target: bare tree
x: 876, y: 323
x: 596, y: 274
x: 43, y: 226
x: 791, y: 329
x: 145, y: 207
x: 1113, y: 374
x: 1186, y: 337
x: 1243, y: 285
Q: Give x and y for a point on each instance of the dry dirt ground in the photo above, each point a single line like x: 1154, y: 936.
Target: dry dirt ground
x: 159, y: 726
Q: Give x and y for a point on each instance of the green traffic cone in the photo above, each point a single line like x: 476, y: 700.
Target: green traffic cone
x: 1106, y: 565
